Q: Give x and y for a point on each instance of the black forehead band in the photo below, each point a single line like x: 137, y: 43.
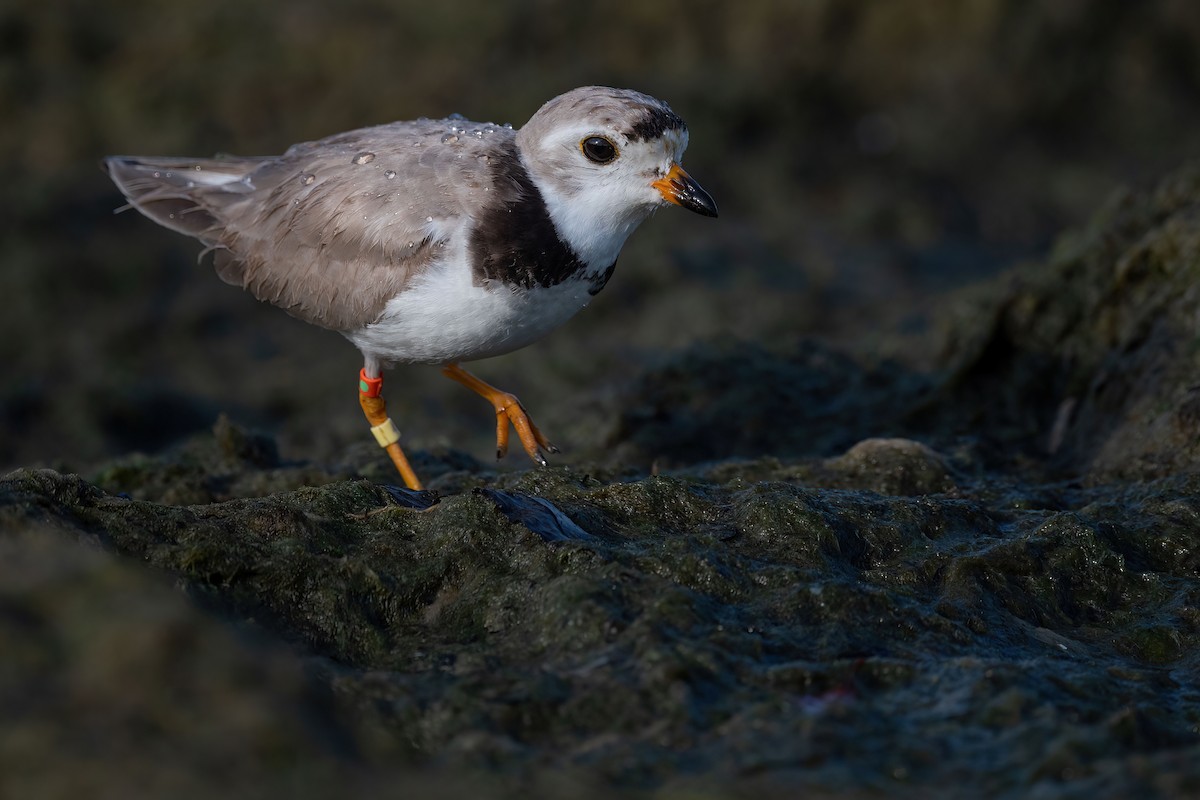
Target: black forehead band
x: 654, y: 122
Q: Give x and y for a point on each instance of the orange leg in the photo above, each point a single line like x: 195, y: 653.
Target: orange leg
x: 508, y: 410
x: 385, y: 431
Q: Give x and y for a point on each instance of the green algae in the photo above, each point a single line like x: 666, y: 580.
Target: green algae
x: 1091, y: 357
x: 741, y: 627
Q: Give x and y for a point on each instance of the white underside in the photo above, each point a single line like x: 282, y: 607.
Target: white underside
x: 443, y: 317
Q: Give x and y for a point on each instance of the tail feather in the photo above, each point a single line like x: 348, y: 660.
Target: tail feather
x: 171, y: 191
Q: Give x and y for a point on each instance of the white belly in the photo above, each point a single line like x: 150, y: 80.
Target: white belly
x: 443, y: 317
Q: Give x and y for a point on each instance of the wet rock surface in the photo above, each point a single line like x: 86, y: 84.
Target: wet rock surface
x: 821, y: 638
x: 903, y: 582
x: 1091, y: 358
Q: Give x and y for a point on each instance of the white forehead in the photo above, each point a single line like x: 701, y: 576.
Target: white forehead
x: 629, y: 118
x: 675, y: 141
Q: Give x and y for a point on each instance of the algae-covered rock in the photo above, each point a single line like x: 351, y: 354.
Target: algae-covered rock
x: 740, y: 399
x: 691, y: 626
x: 113, y: 685
x: 1090, y: 359
x: 1085, y: 364
x: 894, y: 466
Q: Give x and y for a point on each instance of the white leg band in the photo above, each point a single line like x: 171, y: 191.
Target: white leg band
x: 386, y: 432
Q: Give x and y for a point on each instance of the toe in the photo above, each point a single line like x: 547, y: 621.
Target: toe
x: 501, y: 436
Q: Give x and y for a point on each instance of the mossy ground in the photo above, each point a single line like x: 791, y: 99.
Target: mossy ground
x: 721, y: 628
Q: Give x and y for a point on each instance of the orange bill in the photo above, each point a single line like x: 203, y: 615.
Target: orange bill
x: 679, y: 188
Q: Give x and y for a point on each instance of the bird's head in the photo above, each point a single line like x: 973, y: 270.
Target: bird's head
x: 604, y: 159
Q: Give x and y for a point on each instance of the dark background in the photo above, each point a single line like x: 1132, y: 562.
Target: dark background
x: 869, y: 159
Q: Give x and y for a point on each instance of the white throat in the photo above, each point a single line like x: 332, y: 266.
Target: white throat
x: 596, y: 223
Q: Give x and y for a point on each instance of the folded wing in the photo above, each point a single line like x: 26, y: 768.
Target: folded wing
x: 331, y: 230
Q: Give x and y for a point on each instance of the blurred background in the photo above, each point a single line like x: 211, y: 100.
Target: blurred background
x: 869, y: 160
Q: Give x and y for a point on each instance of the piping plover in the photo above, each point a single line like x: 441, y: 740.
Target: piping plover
x: 433, y: 241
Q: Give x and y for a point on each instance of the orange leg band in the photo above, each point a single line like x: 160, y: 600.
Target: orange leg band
x: 375, y: 409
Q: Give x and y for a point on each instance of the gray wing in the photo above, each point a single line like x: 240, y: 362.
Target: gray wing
x: 333, y: 229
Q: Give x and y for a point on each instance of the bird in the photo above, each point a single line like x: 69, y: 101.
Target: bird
x: 433, y: 241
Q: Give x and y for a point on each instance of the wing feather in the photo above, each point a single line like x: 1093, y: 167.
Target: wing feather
x: 324, y: 231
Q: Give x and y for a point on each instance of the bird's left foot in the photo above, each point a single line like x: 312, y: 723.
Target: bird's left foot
x: 508, y: 411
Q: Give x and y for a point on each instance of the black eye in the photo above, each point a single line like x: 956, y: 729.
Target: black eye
x: 598, y: 149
